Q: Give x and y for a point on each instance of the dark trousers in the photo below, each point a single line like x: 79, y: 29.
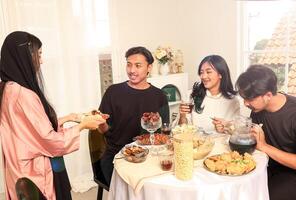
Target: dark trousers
x: 282, y: 184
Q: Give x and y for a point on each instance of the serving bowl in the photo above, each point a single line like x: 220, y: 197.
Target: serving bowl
x: 202, y: 146
x: 134, y: 153
x: 144, y: 139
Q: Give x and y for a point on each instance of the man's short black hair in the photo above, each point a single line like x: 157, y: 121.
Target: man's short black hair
x: 140, y: 50
x: 256, y: 81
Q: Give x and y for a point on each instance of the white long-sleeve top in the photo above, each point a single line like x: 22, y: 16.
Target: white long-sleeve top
x: 215, y: 106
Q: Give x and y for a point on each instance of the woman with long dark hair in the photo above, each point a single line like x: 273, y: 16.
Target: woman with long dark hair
x: 33, y: 140
x: 214, y: 96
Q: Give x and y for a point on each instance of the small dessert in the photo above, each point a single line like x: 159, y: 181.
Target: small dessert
x: 94, y: 114
x: 150, y: 118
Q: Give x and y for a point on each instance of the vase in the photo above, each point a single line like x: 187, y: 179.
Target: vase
x: 164, y: 69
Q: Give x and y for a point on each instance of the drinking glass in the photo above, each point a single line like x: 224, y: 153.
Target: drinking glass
x: 166, y: 128
x: 188, y: 104
x: 166, y: 160
x: 151, y: 122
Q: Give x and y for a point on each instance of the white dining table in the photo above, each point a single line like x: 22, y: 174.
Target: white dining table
x: 204, y: 185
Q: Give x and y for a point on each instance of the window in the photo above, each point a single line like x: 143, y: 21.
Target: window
x: 270, y: 39
x: 95, y: 15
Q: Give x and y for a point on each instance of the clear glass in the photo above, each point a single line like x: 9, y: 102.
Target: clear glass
x: 166, y: 128
x: 242, y: 140
x: 166, y: 160
x: 188, y: 105
x: 151, y: 125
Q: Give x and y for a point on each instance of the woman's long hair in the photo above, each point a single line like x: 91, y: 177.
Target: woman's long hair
x: 226, y: 88
x: 20, y: 63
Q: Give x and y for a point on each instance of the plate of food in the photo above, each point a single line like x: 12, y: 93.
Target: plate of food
x: 94, y: 114
x: 230, y: 164
x: 144, y: 139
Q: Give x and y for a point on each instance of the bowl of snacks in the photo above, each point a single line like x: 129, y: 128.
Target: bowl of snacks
x: 144, y: 139
x: 202, y: 146
x: 134, y: 153
x: 231, y: 164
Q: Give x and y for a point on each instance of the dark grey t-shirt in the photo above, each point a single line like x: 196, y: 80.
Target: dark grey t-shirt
x: 126, y: 105
x: 279, y: 127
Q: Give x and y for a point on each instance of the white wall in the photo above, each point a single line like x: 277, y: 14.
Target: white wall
x: 197, y: 27
x: 207, y: 27
x: 142, y: 23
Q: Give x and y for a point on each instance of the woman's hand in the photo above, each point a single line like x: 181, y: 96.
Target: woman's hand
x: 219, y: 124
x: 184, y: 109
x: 223, y: 126
x: 91, y: 124
x: 72, y: 117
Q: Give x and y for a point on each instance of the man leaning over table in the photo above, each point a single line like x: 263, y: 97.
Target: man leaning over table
x: 126, y: 102
x: 277, y: 138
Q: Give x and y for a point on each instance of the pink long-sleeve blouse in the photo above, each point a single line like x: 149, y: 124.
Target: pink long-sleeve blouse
x: 28, y: 140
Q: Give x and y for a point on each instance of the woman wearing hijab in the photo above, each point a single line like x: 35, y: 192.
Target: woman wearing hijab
x: 33, y: 140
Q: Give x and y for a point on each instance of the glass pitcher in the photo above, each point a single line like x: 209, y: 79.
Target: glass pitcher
x: 242, y: 140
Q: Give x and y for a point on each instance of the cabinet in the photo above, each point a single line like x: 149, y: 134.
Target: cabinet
x: 179, y: 81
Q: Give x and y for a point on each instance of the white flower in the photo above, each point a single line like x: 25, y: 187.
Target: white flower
x: 163, y: 54
x: 160, y: 53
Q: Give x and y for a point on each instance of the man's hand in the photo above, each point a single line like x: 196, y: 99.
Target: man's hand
x: 258, y: 133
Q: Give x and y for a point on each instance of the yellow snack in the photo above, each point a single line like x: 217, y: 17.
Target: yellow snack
x: 230, y: 163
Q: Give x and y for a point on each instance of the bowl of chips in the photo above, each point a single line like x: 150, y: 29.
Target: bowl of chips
x: 202, y: 146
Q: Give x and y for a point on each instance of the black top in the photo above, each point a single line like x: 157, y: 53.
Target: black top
x: 279, y: 128
x: 126, y: 105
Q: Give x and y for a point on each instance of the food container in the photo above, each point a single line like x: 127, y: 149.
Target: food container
x: 242, y: 140
x: 202, y: 146
x: 134, y: 153
x: 234, y: 164
x: 183, y: 149
x: 144, y: 139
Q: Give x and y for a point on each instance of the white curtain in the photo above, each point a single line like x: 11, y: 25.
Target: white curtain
x: 68, y: 31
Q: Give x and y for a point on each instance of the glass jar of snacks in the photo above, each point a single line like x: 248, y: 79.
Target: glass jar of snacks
x: 183, y: 150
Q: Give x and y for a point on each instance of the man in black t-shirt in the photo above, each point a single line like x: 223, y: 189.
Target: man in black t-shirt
x: 126, y: 102
x: 277, y: 138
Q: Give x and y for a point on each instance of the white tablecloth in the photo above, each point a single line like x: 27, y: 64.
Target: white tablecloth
x: 204, y: 185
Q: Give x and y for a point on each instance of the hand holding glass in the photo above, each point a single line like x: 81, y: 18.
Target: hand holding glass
x: 186, y: 108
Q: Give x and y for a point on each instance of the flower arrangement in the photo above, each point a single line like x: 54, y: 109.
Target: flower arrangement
x: 163, y: 55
